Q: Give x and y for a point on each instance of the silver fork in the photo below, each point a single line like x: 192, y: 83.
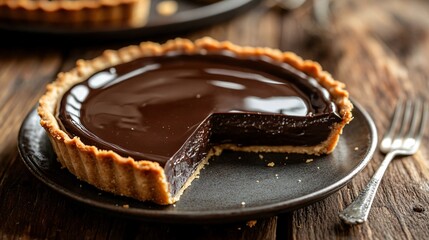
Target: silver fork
x: 403, y: 138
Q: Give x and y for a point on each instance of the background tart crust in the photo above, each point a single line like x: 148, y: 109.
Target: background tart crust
x: 72, y: 12
x: 145, y: 180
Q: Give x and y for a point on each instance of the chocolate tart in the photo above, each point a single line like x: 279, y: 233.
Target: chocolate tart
x: 143, y: 120
x: 76, y: 12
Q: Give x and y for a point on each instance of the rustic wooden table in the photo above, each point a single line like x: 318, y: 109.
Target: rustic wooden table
x: 380, y: 49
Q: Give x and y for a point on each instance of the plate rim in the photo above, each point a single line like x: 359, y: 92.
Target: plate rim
x: 214, y: 216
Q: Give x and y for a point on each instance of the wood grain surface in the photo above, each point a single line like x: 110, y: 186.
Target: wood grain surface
x: 380, y: 49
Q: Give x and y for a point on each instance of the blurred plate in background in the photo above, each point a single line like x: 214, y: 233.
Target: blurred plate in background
x: 189, y: 15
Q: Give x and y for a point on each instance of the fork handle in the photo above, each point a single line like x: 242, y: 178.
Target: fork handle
x: 357, y: 212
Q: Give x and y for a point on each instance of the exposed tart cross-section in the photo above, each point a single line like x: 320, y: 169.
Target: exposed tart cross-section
x: 175, y: 103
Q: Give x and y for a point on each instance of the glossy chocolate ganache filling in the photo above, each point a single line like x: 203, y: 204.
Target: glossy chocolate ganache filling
x: 172, y: 109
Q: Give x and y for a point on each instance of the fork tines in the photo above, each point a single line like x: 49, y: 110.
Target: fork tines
x: 407, y: 125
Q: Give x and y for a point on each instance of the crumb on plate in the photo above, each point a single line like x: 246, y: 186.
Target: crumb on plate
x: 251, y: 223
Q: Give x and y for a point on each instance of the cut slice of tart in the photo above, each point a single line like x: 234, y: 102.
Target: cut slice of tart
x: 143, y: 120
x: 118, y: 13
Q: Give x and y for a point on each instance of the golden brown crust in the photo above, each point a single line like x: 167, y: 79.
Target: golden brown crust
x: 145, y: 180
x: 69, y: 12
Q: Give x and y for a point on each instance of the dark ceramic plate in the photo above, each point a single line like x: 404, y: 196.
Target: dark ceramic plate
x: 234, y: 186
x: 190, y: 15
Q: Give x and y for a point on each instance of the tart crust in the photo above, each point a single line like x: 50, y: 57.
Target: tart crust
x: 145, y: 180
x: 72, y: 12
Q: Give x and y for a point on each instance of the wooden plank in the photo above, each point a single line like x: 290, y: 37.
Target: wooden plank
x: 378, y: 51
x: 23, y: 83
